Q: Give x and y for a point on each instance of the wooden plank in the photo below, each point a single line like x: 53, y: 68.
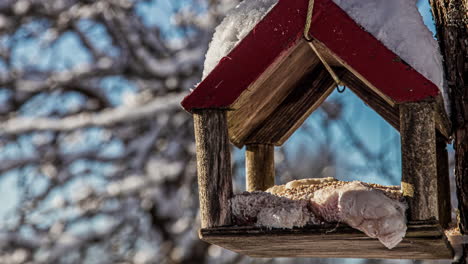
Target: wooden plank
x: 306, y: 97
x: 367, y: 57
x: 326, y: 54
x: 214, y: 167
x: 273, y: 36
x: 443, y: 181
x: 390, y: 113
x: 280, y: 30
x: 257, y: 104
x: 424, y: 240
x: 335, y: 60
x: 259, y: 167
x: 419, y: 169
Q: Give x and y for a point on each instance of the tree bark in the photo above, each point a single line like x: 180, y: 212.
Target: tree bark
x: 443, y: 182
x: 419, y: 159
x: 214, y: 167
x: 451, y: 20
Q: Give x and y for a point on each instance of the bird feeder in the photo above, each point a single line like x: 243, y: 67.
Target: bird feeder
x: 260, y: 102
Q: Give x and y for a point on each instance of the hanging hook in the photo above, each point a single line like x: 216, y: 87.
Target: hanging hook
x: 342, y: 90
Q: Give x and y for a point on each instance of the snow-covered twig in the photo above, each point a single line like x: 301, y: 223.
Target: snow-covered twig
x: 105, y: 118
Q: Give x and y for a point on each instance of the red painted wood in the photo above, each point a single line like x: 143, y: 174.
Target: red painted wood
x: 367, y: 55
x: 281, y: 29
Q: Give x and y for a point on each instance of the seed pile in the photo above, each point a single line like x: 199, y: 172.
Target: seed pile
x: 305, y: 189
x: 376, y: 210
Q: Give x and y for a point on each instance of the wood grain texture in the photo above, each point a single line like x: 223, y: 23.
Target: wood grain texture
x: 273, y: 37
x: 326, y: 54
x: 281, y: 29
x: 214, y: 167
x: 424, y: 240
x: 305, y: 98
x: 258, y: 102
x: 443, y: 181
x: 259, y: 167
x: 390, y: 113
x: 367, y: 57
x: 419, y: 169
x: 451, y: 19
x: 443, y: 123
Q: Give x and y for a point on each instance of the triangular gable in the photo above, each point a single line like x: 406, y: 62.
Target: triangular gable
x: 281, y: 29
x: 263, y: 79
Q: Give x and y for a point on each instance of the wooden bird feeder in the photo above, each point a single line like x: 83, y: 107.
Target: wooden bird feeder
x: 270, y: 83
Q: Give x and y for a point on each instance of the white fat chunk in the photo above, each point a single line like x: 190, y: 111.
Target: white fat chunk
x: 362, y: 207
x: 267, y: 210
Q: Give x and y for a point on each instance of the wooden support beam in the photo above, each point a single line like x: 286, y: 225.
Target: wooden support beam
x: 443, y: 181
x: 419, y: 170
x: 373, y: 100
x: 259, y: 101
x: 214, y: 167
x: 259, y: 167
x: 287, y: 117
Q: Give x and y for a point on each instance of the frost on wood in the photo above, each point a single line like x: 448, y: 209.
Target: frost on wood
x: 376, y: 210
x: 235, y: 26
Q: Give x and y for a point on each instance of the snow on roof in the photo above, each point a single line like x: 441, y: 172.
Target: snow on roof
x: 235, y: 26
x: 396, y: 23
x: 400, y: 27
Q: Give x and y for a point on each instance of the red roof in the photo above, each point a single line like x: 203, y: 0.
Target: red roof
x: 281, y: 29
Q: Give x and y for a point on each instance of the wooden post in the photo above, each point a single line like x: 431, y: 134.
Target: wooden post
x: 419, y: 168
x: 214, y: 167
x: 443, y: 181
x: 259, y: 167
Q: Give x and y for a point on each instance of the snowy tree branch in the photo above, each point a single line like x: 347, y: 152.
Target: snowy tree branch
x: 105, y: 118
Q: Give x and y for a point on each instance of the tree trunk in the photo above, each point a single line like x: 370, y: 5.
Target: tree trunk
x: 452, y: 31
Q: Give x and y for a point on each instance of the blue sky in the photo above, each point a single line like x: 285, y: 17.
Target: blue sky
x: 374, y: 131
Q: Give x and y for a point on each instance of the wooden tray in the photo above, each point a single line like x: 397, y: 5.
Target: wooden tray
x: 424, y: 240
